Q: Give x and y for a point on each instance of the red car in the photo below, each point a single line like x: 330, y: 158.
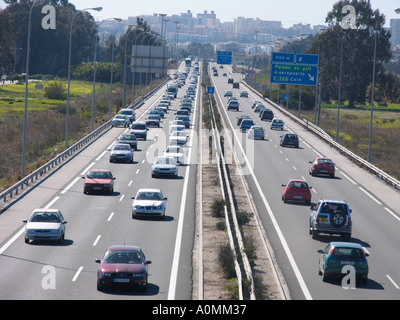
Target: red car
x: 296, y: 190
x: 98, y: 180
x: 322, y: 166
x: 124, y: 266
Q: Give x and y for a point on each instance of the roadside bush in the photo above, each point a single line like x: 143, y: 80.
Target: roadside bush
x: 217, y: 208
x: 55, y: 91
x: 226, y: 261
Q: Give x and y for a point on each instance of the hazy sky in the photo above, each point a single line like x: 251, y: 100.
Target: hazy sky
x: 288, y: 11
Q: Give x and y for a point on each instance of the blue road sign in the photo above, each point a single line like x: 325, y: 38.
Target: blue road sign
x: 224, y: 57
x: 285, y: 97
x: 210, y: 90
x: 307, y: 59
x: 283, y: 57
x: 294, y: 74
x: 296, y: 69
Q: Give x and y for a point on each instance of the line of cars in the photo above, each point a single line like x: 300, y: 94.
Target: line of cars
x: 327, y: 217
x: 125, y: 265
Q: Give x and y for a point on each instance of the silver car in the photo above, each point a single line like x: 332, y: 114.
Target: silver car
x: 121, y: 152
x: 149, y: 202
x: 45, y: 224
x: 164, y: 166
x: 120, y: 120
x: 176, y: 152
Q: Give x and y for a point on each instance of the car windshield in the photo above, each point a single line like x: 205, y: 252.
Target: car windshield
x: 332, y: 207
x: 258, y: 129
x: 165, y: 160
x: 122, y: 256
x: 50, y: 217
x: 128, y: 137
x: 291, y: 136
x: 127, y: 112
x: 138, y: 126
x: 298, y: 184
x: 325, y: 161
x: 149, y: 195
x: 99, y: 175
x: 120, y: 116
x: 122, y: 147
x: 347, y: 253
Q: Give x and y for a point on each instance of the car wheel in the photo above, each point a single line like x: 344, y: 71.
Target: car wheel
x: 324, y: 277
x: 26, y: 240
x: 314, y: 234
x: 338, y: 219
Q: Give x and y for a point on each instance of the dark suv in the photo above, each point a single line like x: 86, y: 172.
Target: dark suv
x: 289, y: 139
x: 331, y: 217
x: 266, y: 114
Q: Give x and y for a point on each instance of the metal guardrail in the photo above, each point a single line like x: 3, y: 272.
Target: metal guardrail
x: 393, y: 182
x: 31, y: 179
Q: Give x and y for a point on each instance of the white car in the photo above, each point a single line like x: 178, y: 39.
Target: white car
x: 228, y: 93
x: 176, y: 152
x: 120, y: 120
x: 178, y: 137
x: 45, y: 224
x: 149, y: 202
x: 176, y: 127
x: 276, y: 124
x: 164, y: 166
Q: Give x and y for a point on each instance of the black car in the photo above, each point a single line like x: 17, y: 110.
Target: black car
x: 230, y: 80
x: 289, y: 139
x: 266, y: 114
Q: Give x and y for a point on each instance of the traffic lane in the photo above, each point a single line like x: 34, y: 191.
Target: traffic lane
x: 334, y: 184
x: 297, y: 153
x: 41, y: 255
x: 97, y: 207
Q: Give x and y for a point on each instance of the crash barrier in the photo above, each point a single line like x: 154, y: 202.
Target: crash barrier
x: 391, y: 181
x: 33, y: 178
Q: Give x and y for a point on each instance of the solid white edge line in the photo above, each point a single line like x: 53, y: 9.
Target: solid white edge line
x: 70, y: 185
x: 392, y: 281
x: 87, y: 169
x: 392, y: 213
x: 178, y: 242
x: 15, y: 237
x: 371, y: 196
x: 51, y: 202
x: 348, y: 178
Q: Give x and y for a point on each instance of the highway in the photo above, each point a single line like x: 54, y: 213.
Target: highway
x: 41, y: 270
x: 267, y: 166
x: 68, y: 271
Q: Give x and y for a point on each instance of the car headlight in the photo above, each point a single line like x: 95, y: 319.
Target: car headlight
x: 104, y: 274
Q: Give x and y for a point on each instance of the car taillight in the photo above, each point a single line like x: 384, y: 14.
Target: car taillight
x: 331, y: 250
x: 349, y: 222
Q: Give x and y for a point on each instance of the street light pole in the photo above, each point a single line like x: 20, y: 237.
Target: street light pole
x: 26, y: 92
x: 340, y: 84
x: 372, y: 101
x: 69, y: 71
x: 94, y: 71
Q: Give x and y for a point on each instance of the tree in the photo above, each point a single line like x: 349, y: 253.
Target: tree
x: 358, y: 51
x: 49, y: 48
